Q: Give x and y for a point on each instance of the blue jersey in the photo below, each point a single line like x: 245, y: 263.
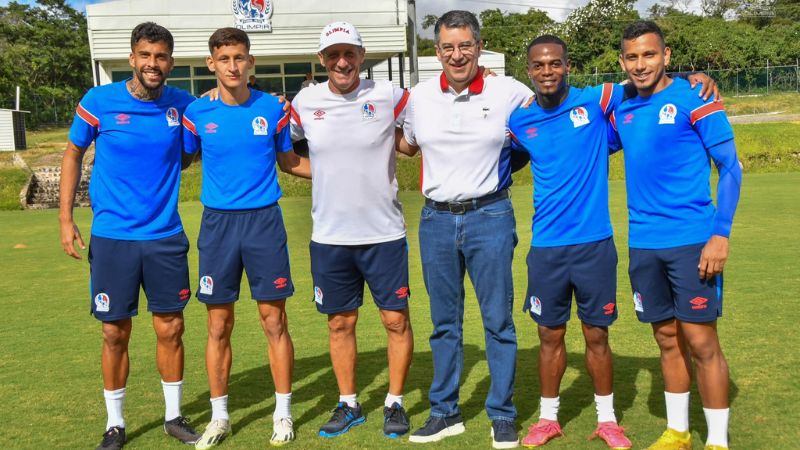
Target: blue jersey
x: 239, y: 144
x: 666, y: 138
x: 569, y: 147
x: 137, y: 164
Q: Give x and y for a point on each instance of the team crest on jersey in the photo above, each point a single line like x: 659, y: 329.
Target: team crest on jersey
x: 579, y: 117
x: 172, y: 117
x: 252, y: 15
x: 536, y: 305
x: 102, y: 302
x: 318, y: 294
x: 667, y: 114
x: 368, y: 111
x: 206, y: 285
x: 637, y: 302
x: 260, y: 126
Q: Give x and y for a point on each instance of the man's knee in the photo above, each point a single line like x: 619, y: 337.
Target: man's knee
x: 274, y: 323
x: 340, y: 325
x: 117, y: 334
x: 596, y: 338
x: 169, y: 327
x: 220, y: 328
x: 396, y: 322
x: 552, y: 337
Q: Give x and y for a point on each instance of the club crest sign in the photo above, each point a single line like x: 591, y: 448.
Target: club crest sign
x: 252, y: 15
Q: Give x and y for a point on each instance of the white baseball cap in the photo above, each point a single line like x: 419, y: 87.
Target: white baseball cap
x: 339, y: 33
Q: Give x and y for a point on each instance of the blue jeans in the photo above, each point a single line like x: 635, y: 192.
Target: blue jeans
x: 482, y: 243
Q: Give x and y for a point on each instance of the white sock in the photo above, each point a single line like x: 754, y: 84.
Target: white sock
x: 604, y: 404
x: 219, y: 408
x: 548, y: 408
x: 677, y: 411
x: 283, y: 406
x: 350, y: 399
x: 717, y: 421
x: 114, y: 401
x: 392, y: 399
x: 173, y: 391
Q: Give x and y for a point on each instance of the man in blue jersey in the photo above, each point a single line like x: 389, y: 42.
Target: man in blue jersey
x: 137, y: 235
x: 240, y: 136
x: 678, y: 239
x: 572, y: 250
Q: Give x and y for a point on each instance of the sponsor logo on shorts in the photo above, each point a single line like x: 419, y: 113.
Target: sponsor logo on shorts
x: 402, y: 292
x: 184, y: 294
x: 536, y: 305
x: 206, y: 285
x: 628, y: 119
x: 608, y: 308
x: 280, y: 283
x: 317, y: 294
x: 579, y: 117
x: 260, y: 126
x: 172, y: 117
x: 699, y: 303
x: 368, y: 111
x: 102, y: 302
x: 211, y: 128
x: 667, y: 114
x: 123, y: 119
x: 319, y: 115
x: 637, y: 302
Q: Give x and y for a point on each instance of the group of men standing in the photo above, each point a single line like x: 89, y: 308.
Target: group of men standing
x: 467, y: 127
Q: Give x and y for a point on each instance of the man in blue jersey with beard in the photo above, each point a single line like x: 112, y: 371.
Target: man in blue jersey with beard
x: 678, y: 239
x: 241, y: 135
x: 572, y: 250
x: 137, y: 235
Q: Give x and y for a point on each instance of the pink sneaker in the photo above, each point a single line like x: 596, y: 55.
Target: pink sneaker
x: 612, y: 434
x: 541, y: 432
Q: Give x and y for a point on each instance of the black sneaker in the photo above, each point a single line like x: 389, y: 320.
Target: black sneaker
x: 344, y: 418
x: 438, y: 428
x: 180, y: 429
x: 504, y: 435
x: 395, y: 421
x: 113, y: 439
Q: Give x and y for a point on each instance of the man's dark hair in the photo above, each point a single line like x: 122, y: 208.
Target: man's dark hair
x: 640, y: 28
x: 458, y: 19
x: 549, y: 39
x: 228, y: 36
x: 152, y: 32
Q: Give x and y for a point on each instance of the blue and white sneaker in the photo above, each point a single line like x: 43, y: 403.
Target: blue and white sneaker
x: 395, y: 421
x: 344, y: 417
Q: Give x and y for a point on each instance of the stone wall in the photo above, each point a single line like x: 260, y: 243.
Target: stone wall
x: 42, y: 191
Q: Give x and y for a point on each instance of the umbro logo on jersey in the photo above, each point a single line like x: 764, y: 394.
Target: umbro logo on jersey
x: 368, y: 111
x: 172, y: 117
x: 667, y: 114
x: 532, y: 132
x: 319, y: 115
x: 101, y: 302
x: 260, y: 127
x: 628, y: 119
x: 211, y: 128
x: 123, y: 119
x: 579, y: 116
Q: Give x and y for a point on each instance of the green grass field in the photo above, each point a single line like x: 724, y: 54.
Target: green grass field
x: 51, y: 386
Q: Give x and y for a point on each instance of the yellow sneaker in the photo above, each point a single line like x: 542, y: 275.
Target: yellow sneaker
x: 673, y: 440
x: 715, y: 447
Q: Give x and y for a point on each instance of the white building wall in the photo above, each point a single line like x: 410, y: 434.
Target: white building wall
x: 430, y: 67
x: 6, y: 131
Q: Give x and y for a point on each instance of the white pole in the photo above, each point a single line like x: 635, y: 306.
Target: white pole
x: 17, y: 108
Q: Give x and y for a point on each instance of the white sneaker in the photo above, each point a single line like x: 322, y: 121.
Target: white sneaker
x: 282, y: 431
x: 216, y: 431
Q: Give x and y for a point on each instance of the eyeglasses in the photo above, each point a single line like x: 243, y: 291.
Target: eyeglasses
x: 466, y: 48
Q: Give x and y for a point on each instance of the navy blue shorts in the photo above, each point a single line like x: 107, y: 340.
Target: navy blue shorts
x: 666, y: 285
x: 251, y: 240
x: 587, y: 270
x: 339, y: 273
x: 118, y: 268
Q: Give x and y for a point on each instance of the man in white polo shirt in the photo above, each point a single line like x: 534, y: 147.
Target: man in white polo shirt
x: 458, y: 120
x: 359, y: 233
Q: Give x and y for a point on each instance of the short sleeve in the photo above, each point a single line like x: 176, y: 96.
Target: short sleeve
x: 295, y: 124
x: 408, y: 124
x: 611, y: 97
x: 86, y: 123
x: 709, y: 121
x: 519, y: 94
x: 400, y: 100
x: 283, y: 133
x: 191, y: 140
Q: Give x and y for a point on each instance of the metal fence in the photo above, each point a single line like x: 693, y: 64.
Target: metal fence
x: 749, y: 81
x: 44, y: 111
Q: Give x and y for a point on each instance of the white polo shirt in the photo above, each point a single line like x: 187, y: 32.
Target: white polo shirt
x: 463, y: 137
x: 351, y: 147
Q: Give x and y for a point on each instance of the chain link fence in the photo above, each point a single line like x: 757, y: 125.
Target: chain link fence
x: 53, y: 111
x: 749, y: 81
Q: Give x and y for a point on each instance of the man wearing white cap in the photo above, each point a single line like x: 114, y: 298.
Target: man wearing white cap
x: 359, y: 233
